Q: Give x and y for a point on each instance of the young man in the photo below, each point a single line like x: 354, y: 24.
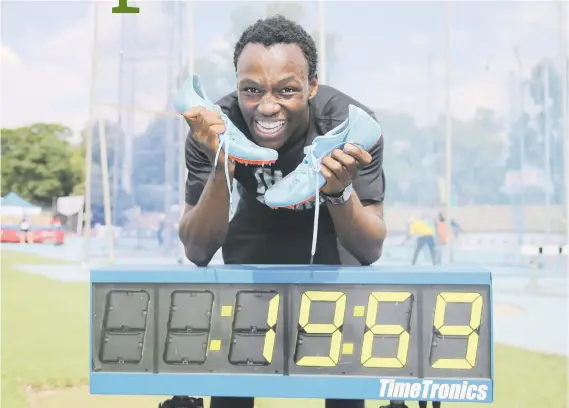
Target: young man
x: 280, y: 105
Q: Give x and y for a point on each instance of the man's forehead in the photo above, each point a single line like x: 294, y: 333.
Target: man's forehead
x: 279, y: 60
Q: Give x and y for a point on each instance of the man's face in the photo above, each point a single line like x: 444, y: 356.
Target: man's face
x: 274, y: 90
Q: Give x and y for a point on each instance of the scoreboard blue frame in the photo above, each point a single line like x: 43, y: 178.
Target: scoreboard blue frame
x: 322, y: 334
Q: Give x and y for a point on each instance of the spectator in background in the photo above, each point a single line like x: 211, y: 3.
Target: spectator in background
x: 24, y: 229
x: 161, y: 228
x: 424, y: 232
x: 455, y: 227
x: 442, y: 236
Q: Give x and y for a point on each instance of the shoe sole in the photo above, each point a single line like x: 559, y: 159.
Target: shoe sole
x: 252, y: 162
x: 292, y: 206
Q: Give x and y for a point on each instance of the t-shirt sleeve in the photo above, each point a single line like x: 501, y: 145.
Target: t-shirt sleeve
x: 199, y: 168
x: 370, y: 181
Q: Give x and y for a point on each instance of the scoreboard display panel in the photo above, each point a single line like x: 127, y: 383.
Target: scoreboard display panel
x: 293, y: 331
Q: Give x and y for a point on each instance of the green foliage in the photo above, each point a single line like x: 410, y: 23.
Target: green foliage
x: 533, y: 125
x: 39, y: 163
x: 414, y: 159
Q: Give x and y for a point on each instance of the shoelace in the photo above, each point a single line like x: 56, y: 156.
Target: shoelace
x: 314, y: 166
x: 227, y: 178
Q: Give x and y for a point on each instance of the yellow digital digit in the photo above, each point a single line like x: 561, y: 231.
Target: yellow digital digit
x: 270, y: 335
x: 470, y: 330
x: 333, y: 329
x: 373, y: 329
x: 248, y: 323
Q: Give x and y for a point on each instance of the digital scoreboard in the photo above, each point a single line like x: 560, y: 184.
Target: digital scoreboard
x: 293, y: 331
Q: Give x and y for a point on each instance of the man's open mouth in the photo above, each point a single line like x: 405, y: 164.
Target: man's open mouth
x: 272, y: 127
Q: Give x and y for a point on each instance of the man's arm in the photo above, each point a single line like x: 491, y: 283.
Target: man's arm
x: 359, y: 221
x: 360, y: 228
x: 204, y: 225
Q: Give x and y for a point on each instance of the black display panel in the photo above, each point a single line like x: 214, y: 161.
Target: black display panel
x: 353, y: 330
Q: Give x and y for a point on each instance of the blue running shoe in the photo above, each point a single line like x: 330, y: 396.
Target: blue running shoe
x: 233, y: 142
x: 243, y: 150
x: 306, y: 181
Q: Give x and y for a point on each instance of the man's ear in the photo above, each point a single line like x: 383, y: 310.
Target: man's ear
x: 313, y: 84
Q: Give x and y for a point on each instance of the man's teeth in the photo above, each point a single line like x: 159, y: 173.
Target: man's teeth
x: 270, y: 127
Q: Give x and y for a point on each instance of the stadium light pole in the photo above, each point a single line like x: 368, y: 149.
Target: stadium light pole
x: 170, y: 134
x: 89, y: 134
x: 119, y: 134
x: 106, y: 190
x: 322, y: 42
x: 565, y: 115
x: 522, y: 131
x: 448, y: 131
x: 183, y: 171
x: 547, y: 149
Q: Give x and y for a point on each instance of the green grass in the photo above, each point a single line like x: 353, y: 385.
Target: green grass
x: 44, y: 330
x: 45, y: 344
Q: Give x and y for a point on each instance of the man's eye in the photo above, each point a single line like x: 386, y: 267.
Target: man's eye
x: 251, y: 90
x: 288, y: 90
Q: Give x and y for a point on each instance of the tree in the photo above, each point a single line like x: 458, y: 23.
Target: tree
x: 478, y: 164
x: 530, y: 128
x: 414, y: 159
x: 39, y: 163
x: 404, y: 150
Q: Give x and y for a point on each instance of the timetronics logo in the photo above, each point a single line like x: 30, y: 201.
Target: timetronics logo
x: 432, y: 390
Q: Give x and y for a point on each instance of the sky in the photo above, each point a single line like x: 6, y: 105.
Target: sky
x: 390, y: 54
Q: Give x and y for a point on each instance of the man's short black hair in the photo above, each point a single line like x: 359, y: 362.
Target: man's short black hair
x: 279, y: 30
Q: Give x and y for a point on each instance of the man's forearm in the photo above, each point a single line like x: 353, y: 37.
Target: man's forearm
x: 204, y: 227
x: 361, y: 230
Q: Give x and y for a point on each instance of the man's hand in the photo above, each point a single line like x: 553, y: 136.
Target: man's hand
x: 342, y: 167
x: 206, y: 125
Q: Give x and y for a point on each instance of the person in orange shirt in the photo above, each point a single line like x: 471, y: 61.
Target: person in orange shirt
x: 456, y: 229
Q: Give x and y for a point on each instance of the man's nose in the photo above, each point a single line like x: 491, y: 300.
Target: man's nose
x: 268, y: 106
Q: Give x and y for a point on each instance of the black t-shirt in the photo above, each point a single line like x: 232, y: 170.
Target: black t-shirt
x: 261, y: 235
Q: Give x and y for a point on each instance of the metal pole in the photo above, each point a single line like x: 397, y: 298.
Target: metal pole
x: 522, y: 131
x: 448, y: 132
x: 183, y: 171
x: 106, y: 189
x: 565, y: 116
x: 514, y: 191
x: 129, y: 120
x: 322, y: 42
x: 169, y: 136
x: 430, y: 94
x: 118, y: 136
x: 547, y: 148
x: 182, y: 177
x: 89, y: 134
x: 190, y: 37
x: 431, y: 125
